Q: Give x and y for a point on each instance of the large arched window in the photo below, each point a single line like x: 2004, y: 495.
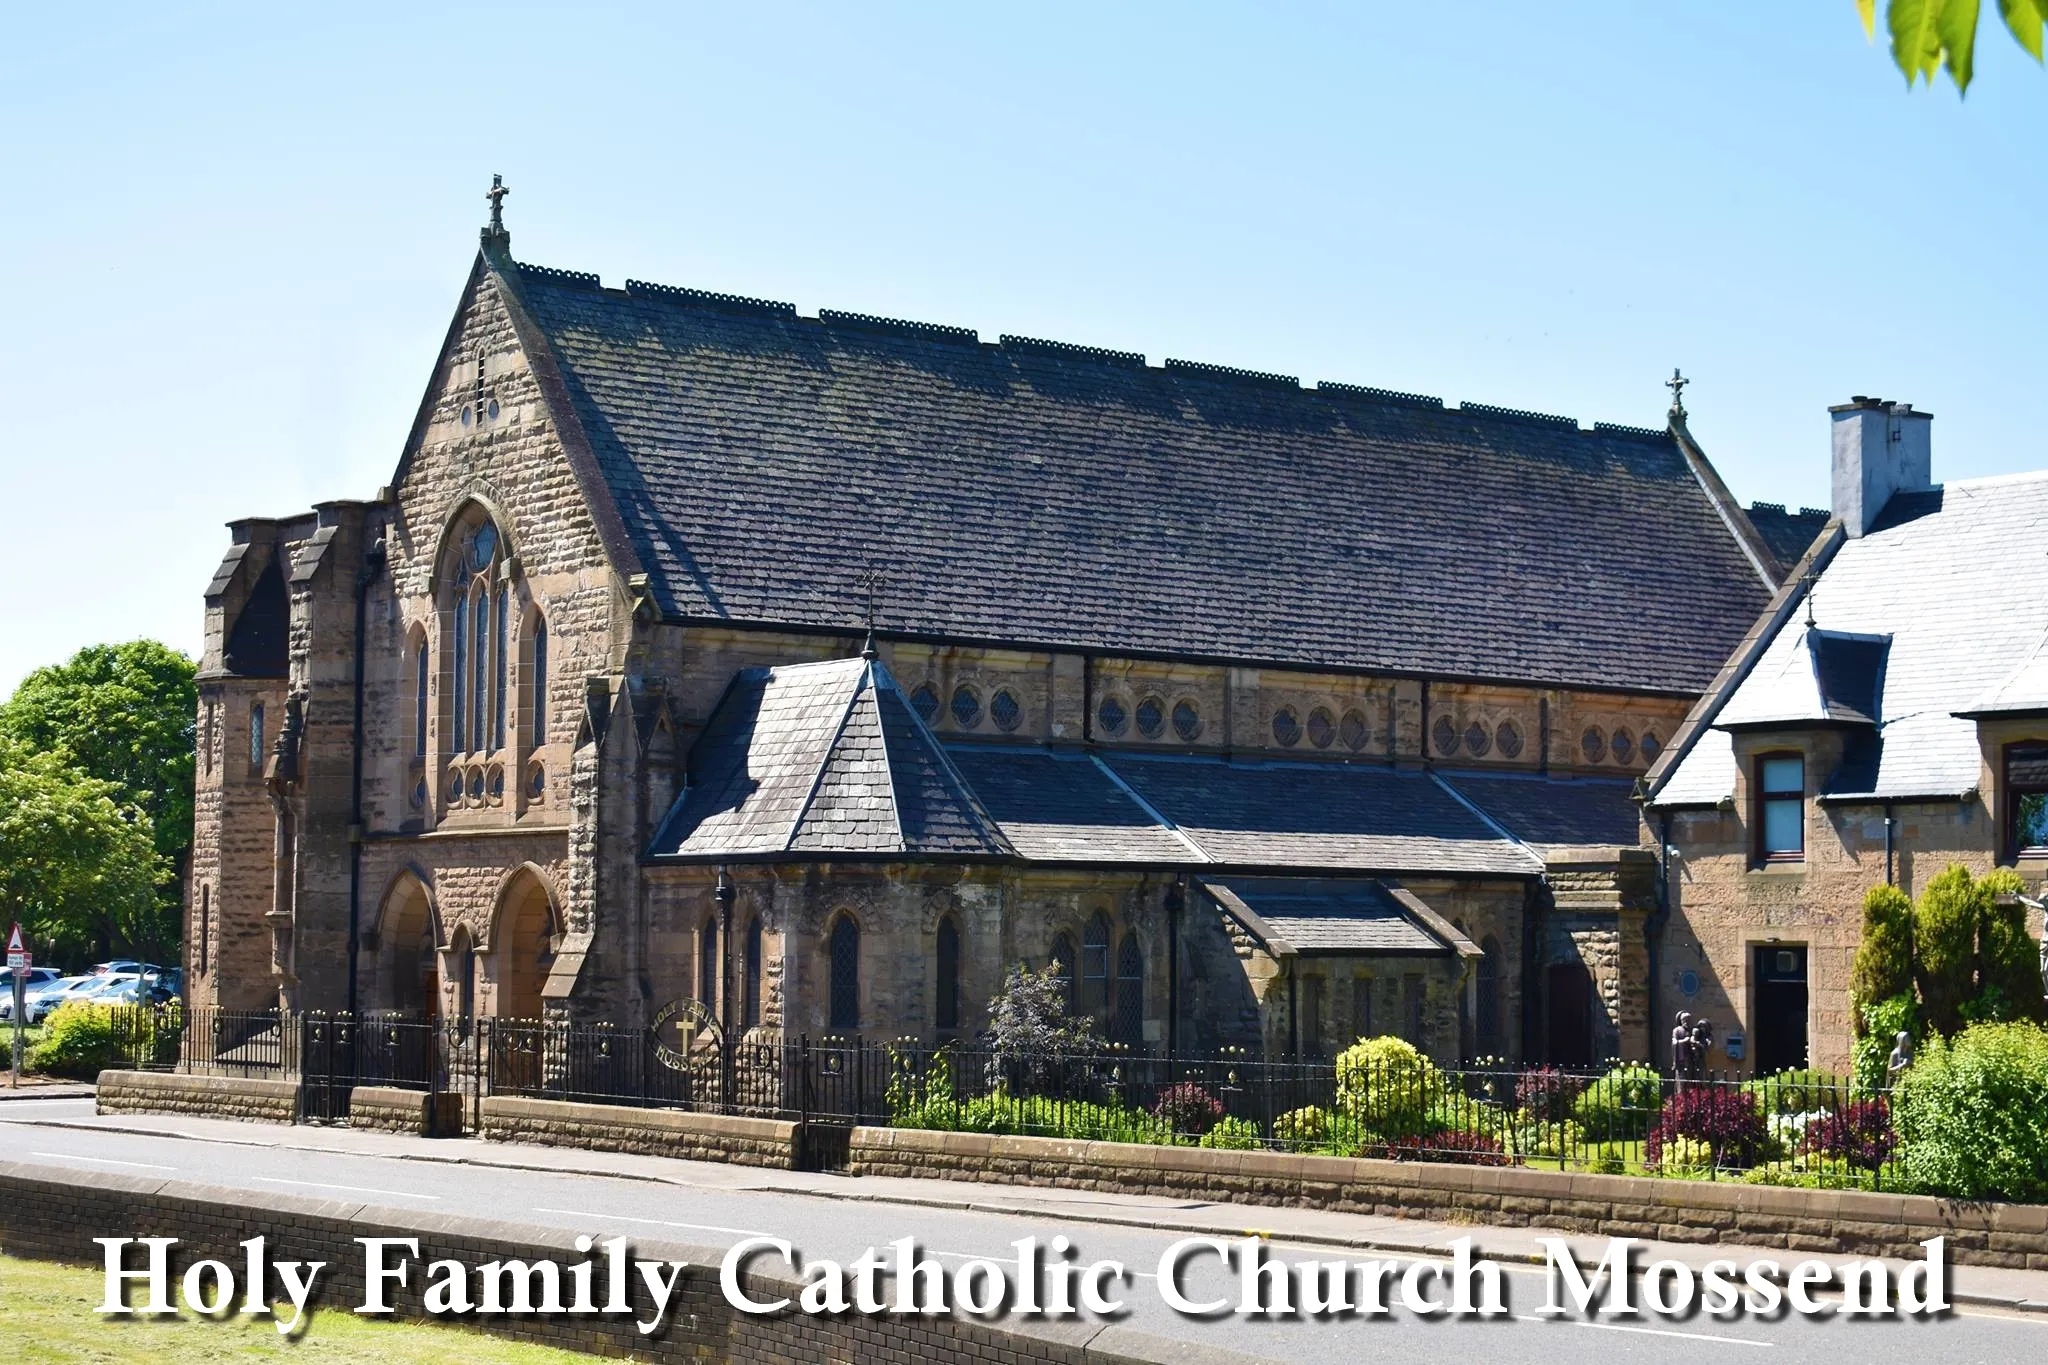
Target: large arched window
x: 1129, y: 1025
x: 540, y: 682
x: 845, y: 974
x: 949, y: 974
x: 1487, y: 989
x: 750, y: 994
x: 479, y: 663
x: 707, y: 964
x: 419, y: 700
x: 1095, y: 992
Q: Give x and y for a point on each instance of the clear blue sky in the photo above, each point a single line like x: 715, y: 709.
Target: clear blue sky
x: 232, y: 238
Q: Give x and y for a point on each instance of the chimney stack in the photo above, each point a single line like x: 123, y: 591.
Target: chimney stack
x: 1880, y: 448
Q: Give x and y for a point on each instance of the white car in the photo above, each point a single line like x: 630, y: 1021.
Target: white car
x: 39, y: 1003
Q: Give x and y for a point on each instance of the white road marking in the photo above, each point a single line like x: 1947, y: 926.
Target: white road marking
x: 1647, y: 1331
x: 351, y: 1189
x: 656, y: 1222
x: 103, y: 1161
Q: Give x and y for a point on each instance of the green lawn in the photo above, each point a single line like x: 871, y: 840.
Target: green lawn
x: 47, y: 1317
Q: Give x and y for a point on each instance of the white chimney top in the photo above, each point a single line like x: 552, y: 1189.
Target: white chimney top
x: 1880, y: 448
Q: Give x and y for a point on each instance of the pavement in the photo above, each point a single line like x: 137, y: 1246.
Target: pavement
x: 2001, y: 1314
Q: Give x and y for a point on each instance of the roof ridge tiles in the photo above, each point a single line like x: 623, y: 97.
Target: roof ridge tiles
x: 1232, y: 373
x: 1520, y: 415
x: 933, y: 331
x: 1067, y: 350
x: 1623, y: 429
x: 707, y: 298
x: 1394, y: 396
x: 575, y: 279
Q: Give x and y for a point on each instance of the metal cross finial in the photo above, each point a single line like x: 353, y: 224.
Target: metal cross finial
x: 1676, y: 383
x: 871, y: 586
x: 496, y: 194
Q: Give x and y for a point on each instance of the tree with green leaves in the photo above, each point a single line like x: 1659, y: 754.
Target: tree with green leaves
x: 119, y: 721
x: 1933, y: 35
x: 78, y: 866
x: 1945, y: 946
x: 2008, y: 957
x: 1884, y: 960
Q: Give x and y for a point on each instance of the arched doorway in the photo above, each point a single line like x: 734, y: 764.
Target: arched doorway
x: 408, y: 976
x: 523, y: 946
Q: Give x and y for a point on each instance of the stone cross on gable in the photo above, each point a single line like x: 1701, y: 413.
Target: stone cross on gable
x: 496, y: 194
x: 1676, y: 383
x: 871, y: 587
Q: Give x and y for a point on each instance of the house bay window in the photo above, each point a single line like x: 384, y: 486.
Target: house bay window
x: 1781, y: 808
x: 2026, y: 799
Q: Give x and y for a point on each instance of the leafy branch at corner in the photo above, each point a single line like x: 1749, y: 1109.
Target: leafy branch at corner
x: 1932, y: 35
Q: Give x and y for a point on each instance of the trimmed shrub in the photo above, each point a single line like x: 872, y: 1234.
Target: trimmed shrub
x: 1882, y: 1024
x: 2009, y: 958
x: 78, y: 1040
x: 1302, y: 1129
x: 1188, y: 1109
x: 1968, y: 1114
x: 1621, y: 1104
x: 1860, y: 1134
x: 1387, y: 1086
x: 1884, y: 960
x: 1236, y: 1135
x: 1727, y: 1122
x: 1798, y: 1090
x: 1546, y: 1093
x: 1945, y: 946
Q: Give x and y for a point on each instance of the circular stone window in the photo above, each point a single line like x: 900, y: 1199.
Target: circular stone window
x: 493, y: 410
x: 1478, y: 742
x: 1623, y: 746
x: 1353, y: 730
x: 468, y: 414
x: 1593, y: 744
x: 497, y: 786
x: 1151, y: 717
x: 476, y: 784
x: 1187, y: 721
x: 1652, y: 746
x: 455, y: 787
x: 536, y: 782
x: 1112, y: 716
x: 419, y: 794
x: 925, y: 701
x: 1322, y: 731
x: 1287, y: 727
x: 1508, y: 739
x: 1004, y: 710
x: 1445, y: 734
x: 966, y: 707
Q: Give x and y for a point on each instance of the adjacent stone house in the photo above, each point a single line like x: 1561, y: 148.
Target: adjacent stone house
x: 823, y: 668
x: 1887, y: 716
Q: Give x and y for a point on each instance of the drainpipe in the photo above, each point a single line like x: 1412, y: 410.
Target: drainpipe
x: 1653, y: 928
x: 1176, y: 900
x: 1888, y: 844
x: 373, y: 565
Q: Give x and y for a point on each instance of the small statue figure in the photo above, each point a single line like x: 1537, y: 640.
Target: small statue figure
x: 1901, y: 1058
x: 1702, y: 1043
x: 1682, y: 1060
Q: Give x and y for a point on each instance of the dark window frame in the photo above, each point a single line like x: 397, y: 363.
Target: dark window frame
x: 1765, y: 798
x: 946, y: 955
x: 843, y: 944
x: 2014, y: 787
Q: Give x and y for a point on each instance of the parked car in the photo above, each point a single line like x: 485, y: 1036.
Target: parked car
x: 37, y: 979
x: 125, y: 966
x: 39, y: 1005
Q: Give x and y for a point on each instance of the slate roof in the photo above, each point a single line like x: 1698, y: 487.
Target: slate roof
x: 1049, y: 495
x: 1787, y: 533
x: 822, y: 758
x: 1322, y: 915
x: 1947, y: 574
x: 1063, y: 806
x: 1586, y: 812
x: 1820, y: 676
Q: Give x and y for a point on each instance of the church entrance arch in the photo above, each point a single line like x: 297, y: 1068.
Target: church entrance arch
x: 523, y: 945
x: 408, y: 975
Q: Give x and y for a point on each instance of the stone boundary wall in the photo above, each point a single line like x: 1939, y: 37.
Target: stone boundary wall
x: 389, y: 1109
x: 643, y: 1132
x: 1849, y: 1222
x: 248, y: 1098
x: 45, y: 1216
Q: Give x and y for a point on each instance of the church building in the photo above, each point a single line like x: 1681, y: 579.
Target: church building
x: 821, y: 669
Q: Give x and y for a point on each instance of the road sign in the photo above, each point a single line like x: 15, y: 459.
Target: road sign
x: 17, y: 951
